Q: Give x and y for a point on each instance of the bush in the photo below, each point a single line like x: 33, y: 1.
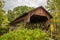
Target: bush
x: 3, y: 30
x: 25, y: 34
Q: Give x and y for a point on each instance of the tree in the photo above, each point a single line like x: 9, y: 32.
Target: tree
x: 54, y: 8
x: 10, y: 15
x: 17, y: 11
x: 1, y: 4
x: 1, y: 11
x: 3, y: 19
x: 21, y: 9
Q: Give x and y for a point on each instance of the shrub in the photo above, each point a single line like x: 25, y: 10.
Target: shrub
x: 25, y: 34
x: 3, y: 30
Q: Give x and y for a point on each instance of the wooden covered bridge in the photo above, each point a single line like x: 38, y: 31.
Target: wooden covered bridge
x: 38, y: 15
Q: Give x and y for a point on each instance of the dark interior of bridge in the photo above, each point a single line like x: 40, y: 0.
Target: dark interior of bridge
x: 38, y: 19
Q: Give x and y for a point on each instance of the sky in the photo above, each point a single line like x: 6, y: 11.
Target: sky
x: 10, y: 4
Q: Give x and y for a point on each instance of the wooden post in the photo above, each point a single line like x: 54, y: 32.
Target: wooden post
x: 12, y: 27
x: 46, y: 25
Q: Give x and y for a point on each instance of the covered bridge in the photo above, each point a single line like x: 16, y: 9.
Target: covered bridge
x: 38, y: 15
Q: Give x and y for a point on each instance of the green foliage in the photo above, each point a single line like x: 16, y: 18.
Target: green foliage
x: 54, y: 7
x: 1, y: 16
x: 21, y: 9
x: 25, y: 34
x: 4, y: 25
x: 1, y: 4
x: 3, y: 30
x: 11, y: 16
x: 17, y: 11
x: 3, y: 19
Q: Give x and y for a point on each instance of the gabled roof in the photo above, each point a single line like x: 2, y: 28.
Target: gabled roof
x: 46, y: 11
x: 34, y: 10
